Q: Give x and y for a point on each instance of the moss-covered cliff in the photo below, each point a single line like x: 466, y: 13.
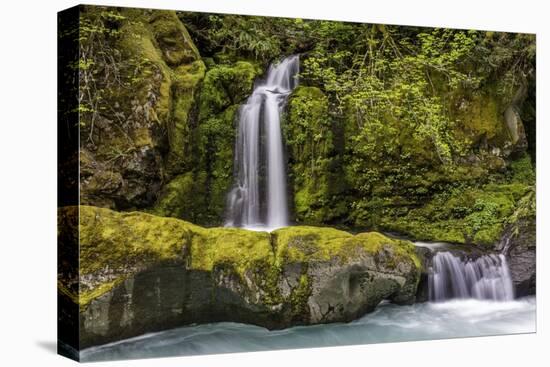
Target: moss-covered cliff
x: 427, y: 138
x: 417, y: 131
x: 315, y: 166
x: 140, y: 74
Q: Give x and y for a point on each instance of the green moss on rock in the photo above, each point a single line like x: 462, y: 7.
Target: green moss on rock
x: 482, y: 118
x: 137, y: 44
x: 313, y: 168
x: 309, y: 244
x: 525, y: 216
x: 299, y: 298
x: 172, y: 37
x: 218, y: 139
x: 114, y: 246
x: 522, y: 170
x: 146, y: 74
x: 187, y: 79
x: 240, y: 249
x: 171, y: 73
x: 179, y: 198
x: 463, y: 215
x: 226, y: 85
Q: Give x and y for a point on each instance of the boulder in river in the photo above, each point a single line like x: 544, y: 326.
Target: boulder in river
x: 141, y: 273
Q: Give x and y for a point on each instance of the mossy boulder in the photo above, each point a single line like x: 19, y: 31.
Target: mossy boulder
x: 341, y: 275
x: 142, y: 273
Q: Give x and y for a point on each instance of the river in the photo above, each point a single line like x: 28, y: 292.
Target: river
x: 388, y: 323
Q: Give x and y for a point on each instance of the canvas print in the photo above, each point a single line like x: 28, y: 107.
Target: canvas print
x: 233, y: 183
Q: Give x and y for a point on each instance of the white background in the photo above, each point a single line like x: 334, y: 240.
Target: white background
x: 28, y: 181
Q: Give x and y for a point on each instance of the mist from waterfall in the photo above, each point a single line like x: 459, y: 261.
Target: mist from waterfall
x: 258, y: 202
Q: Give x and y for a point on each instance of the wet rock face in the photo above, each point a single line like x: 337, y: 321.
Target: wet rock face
x: 170, y: 296
x: 346, y: 292
x: 518, y: 244
x: 523, y: 268
x: 142, y: 273
x: 425, y: 255
x: 133, y: 182
x: 520, y: 250
x: 158, y: 299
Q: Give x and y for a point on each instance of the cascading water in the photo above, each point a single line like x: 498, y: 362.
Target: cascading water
x: 487, y: 277
x: 250, y: 204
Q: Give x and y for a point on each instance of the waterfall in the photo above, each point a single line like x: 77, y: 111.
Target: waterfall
x: 255, y: 201
x: 487, y: 277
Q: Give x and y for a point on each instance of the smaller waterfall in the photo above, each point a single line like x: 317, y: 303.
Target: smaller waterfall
x: 487, y: 277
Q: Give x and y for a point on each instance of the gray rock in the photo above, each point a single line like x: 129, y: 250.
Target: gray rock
x: 518, y: 244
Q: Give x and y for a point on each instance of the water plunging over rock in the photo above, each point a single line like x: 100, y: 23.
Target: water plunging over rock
x: 249, y: 204
x: 487, y: 277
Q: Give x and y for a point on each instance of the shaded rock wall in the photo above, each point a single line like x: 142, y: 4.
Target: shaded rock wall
x: 518, y: 244
x: 140, y: 75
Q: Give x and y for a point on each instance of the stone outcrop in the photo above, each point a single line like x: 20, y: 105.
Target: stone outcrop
x: 135, y: 130
x: 141, y: 273
x: 518, y: 244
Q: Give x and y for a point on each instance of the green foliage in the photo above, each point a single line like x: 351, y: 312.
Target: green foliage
x: 395, y: 87
x: 249, y: 37
x: 96, y: 56
x: 461, y: 215
x: 522, y: 170
x: 523, y: 221
x: 414, y: 104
